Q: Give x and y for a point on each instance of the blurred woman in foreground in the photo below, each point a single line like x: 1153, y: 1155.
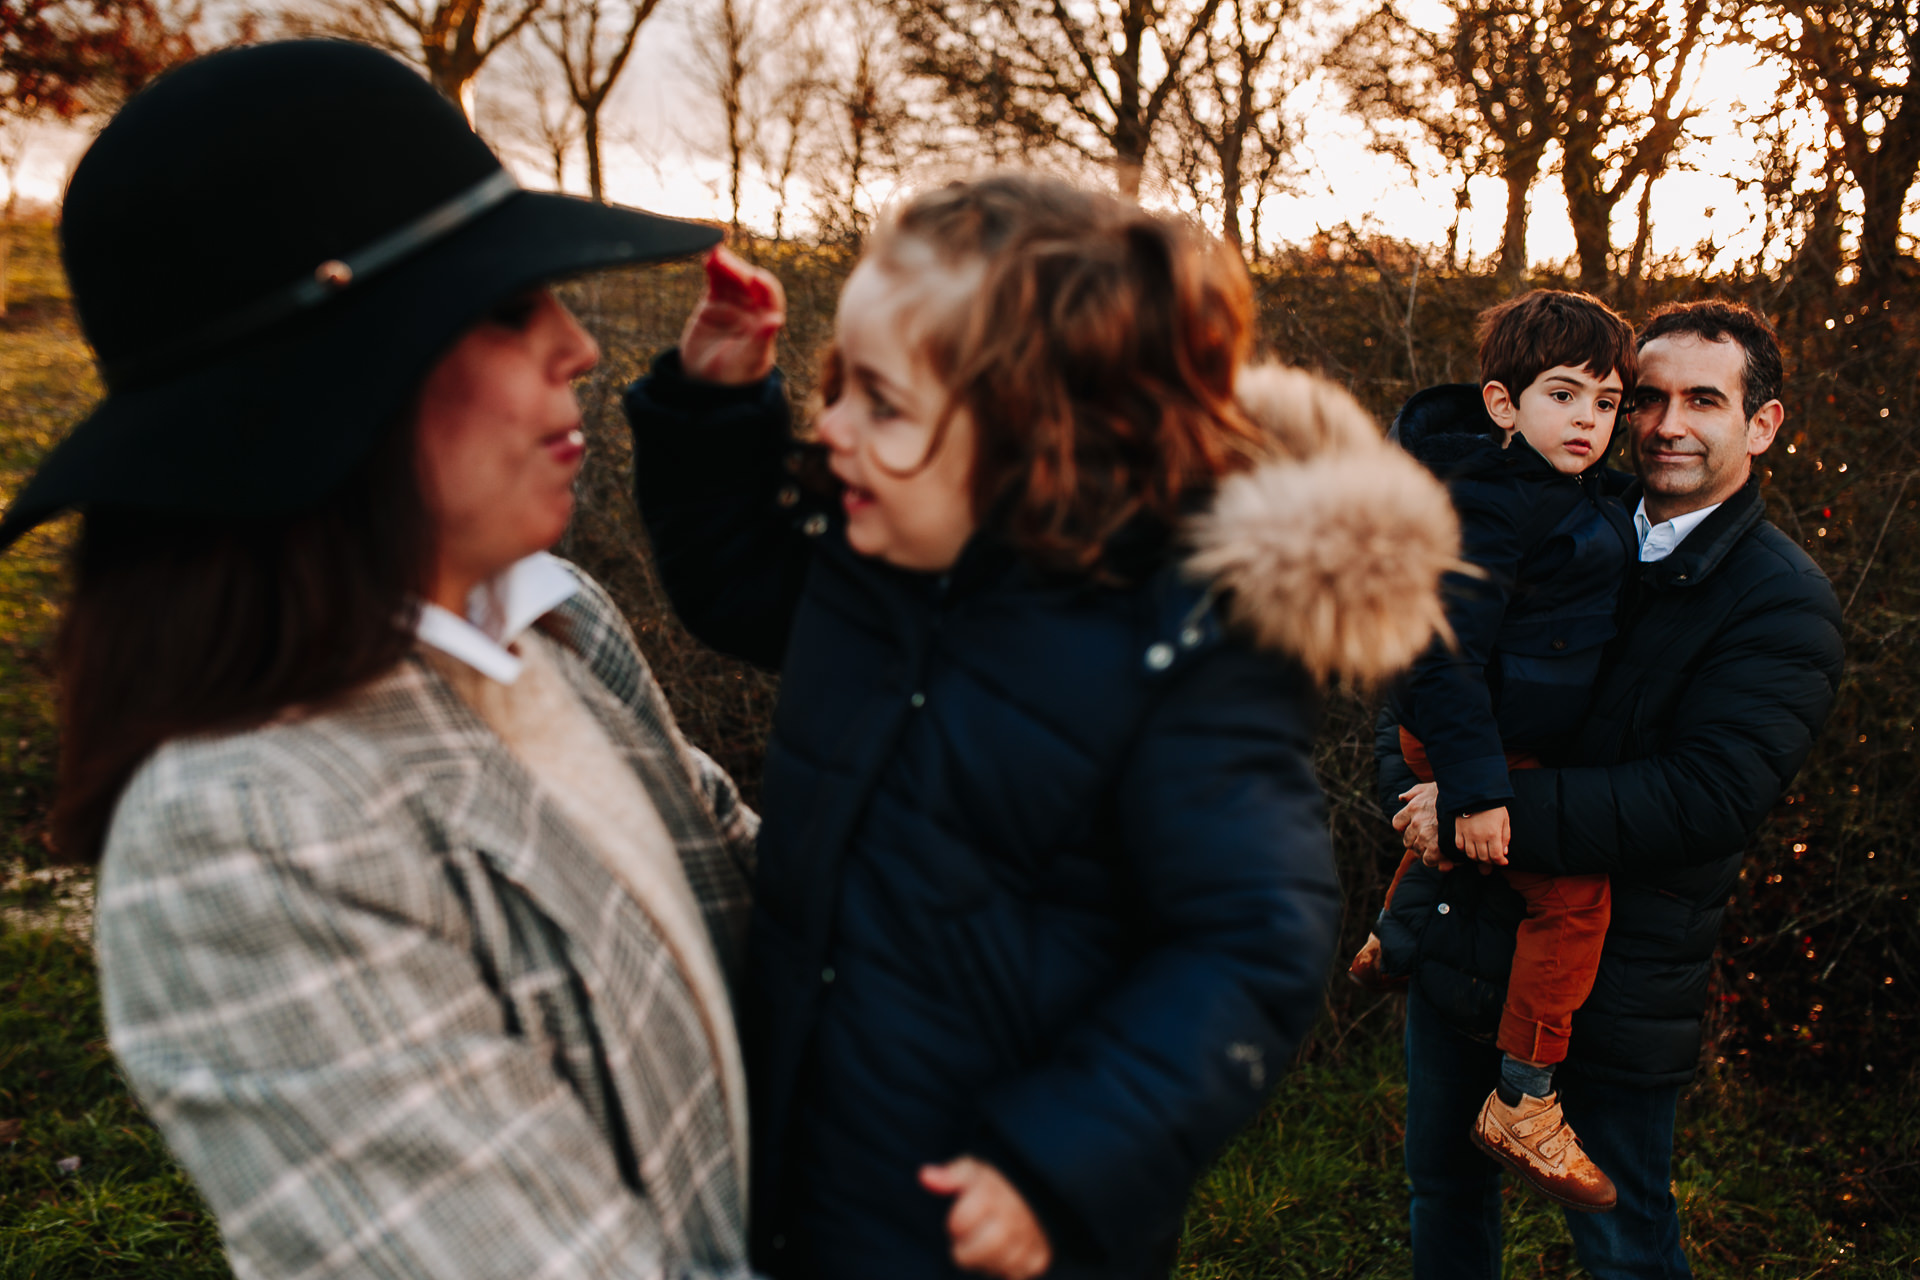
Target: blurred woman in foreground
x: 417, y: 916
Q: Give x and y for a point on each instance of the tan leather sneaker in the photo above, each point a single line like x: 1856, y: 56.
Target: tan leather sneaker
x: 1366, y: 971
x: 1535, y: 1141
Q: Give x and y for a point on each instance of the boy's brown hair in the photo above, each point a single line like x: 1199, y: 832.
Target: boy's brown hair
x: 1095, y: 355
x: 1524, y: 337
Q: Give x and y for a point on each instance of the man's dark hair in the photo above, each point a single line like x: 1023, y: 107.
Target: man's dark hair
x: 1715, y: 321
x: 1524, y: 337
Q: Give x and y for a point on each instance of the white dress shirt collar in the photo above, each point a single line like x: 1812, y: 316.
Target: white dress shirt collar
x: 498, y: 611
x: 1658, y: 541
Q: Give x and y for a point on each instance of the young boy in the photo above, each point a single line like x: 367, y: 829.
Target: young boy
x: 1520, y: 456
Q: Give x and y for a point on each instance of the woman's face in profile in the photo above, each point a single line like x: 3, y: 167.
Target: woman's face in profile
x: 499, y: 440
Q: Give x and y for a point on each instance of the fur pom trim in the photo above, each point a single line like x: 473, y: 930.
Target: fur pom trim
x: 1333, y: 552
x: 1303, y: 413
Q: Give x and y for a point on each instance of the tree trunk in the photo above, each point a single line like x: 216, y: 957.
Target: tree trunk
x: 1642, y: 235
x: 1590, y: 210
x: 452, y: 74
x: 590, y: 137
x: 1884, y: 188
x: 1513, y: 238
x: 1230, y: 190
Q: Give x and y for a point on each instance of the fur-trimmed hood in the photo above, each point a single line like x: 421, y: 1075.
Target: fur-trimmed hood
x: 1331, y: 552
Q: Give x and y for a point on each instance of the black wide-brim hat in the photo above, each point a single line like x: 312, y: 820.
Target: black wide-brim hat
x: 268, y: 249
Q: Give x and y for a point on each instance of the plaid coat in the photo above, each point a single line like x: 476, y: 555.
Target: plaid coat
x: 397, y: 1020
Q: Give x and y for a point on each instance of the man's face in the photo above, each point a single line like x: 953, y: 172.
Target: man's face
x: 1693, y: 443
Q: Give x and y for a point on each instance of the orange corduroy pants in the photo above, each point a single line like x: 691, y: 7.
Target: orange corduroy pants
x: 1556, y: 952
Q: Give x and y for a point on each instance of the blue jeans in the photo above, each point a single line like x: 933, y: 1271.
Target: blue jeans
x: 1456, y: 1190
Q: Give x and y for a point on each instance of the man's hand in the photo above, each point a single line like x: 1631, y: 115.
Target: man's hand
x: 993, y: 1230
x: 1419, y: 824
x: 1484, y: 836
x: 730, y: 336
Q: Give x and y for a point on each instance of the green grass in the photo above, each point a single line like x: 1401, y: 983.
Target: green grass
x: 126, y: 1210
x: 1766, y: 1185
x: 46, y: 384
x: 1775, y: 1180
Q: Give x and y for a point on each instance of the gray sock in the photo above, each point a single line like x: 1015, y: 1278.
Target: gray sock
x: 1517, y: 1077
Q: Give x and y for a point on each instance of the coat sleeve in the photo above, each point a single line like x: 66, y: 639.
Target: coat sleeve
x: 1396, y: 779
x: 725, y: 515
x: 1224, y: 828
x: 1445, y: 701
x: 1744, y: 724
x: 336, y: 1076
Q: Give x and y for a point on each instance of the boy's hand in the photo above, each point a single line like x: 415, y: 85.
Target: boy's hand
x: 993, y: 1230
x: 1483, y: 836
x: 730, y: 336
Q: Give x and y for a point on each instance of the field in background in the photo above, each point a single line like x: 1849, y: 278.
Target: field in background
x: 1797, y: 1153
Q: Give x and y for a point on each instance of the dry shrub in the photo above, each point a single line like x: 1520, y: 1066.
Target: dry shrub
x: 1825, y: 915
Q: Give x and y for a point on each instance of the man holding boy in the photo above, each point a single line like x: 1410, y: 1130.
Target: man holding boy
x: 1706, y: 707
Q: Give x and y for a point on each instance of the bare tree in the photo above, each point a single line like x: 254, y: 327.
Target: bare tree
x: 1231, y: 134
x: 862, y: 120
x: 1484, y: 93
x: 1855, y: 58
x: 592, y: 41
x: 1097, y: 78
x: 1608, y: 141
x: 793, y: 105
x: 451, y: 39
x: 728, y: 48
x: 536, y: 116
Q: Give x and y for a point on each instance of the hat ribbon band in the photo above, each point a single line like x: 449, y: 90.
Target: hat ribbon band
x: 329, y: 278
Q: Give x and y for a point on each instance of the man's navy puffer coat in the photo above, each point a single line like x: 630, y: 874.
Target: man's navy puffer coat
x: 1727, y: 661
x: 1554, y: 549
x: 1044, y: 875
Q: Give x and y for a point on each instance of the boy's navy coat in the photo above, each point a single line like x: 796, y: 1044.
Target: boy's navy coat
x: 1045, y: 875
x: 1709, y: 700
x: 1553, y: 549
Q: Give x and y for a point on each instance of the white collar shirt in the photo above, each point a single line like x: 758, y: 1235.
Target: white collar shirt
x: 498, y: 612
x: 1658, y: 541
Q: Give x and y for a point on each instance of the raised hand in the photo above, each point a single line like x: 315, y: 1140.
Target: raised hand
x: 729, y: 339
x: 993, y: 1230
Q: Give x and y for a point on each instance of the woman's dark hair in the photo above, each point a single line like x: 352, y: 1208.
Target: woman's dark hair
x: 1096, y: 356
x: 183, y: 625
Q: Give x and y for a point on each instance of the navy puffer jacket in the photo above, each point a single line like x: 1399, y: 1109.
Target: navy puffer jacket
x: 1709, y: 700
x: 1044, y: 875
x: 1553, y: 549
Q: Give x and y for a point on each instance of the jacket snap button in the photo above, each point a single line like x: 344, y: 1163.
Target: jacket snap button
x: 1559, y: 644
x: 918, y: 700
x: 788, y: 495
x: 1443, y: 908
x: 814, y: 525
x: 1679, y: 577
x: 1190, y: 637
x: 826, y: 975
x: 1159, y: 657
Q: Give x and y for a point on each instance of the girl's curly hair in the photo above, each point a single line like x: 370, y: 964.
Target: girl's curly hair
x: 1095, y: 356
